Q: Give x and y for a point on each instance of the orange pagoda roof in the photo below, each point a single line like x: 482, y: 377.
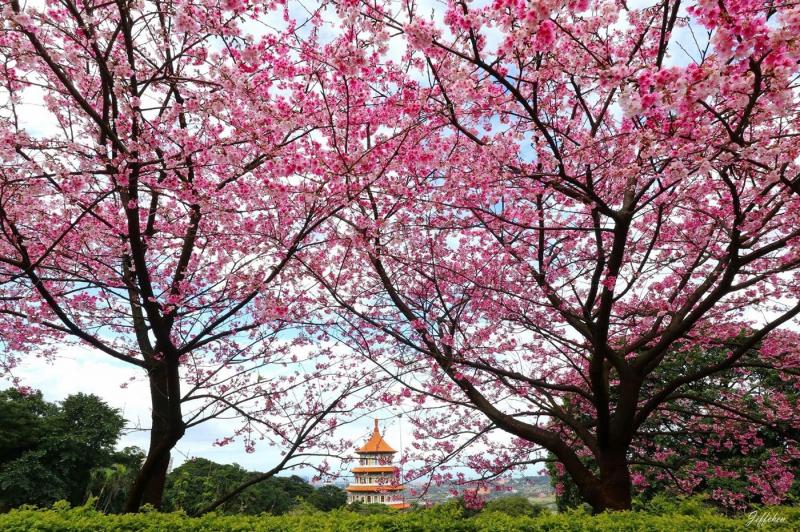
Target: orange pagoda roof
x: 376, y: 443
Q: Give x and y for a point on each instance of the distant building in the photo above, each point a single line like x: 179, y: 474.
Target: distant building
x: 375, y: 479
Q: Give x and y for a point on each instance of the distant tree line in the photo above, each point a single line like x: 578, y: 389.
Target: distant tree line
x: 199, y: 482
x: 55, y: 451
x: 66, y: 451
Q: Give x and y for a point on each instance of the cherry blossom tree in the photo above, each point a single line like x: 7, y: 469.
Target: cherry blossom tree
x: 730, y: 436
x: 155, y: 218
x: 596, y: 218
x: 526, y: 214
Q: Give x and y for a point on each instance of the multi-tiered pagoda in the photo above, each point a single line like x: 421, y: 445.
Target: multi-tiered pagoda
x: 375, y: 479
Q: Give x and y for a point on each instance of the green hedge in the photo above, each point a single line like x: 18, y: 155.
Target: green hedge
x: 445, y: 518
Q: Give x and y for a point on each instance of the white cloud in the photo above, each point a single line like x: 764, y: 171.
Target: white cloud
x: 79, y: 369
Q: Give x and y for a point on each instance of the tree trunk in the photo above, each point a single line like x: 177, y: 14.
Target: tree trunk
x: 604, y: 483
x: 615, y: 487
x: 167, y: 429
x: 153, y: 489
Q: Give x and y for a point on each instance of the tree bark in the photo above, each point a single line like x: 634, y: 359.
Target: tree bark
x: 167, y: 429
x: 607, y: 489
x: 615, y: 489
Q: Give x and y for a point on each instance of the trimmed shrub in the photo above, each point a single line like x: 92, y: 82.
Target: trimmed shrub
x: 63, y: 518
x: 513, y: 505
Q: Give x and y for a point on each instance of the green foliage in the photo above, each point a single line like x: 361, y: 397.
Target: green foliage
x: 440, y: 518
x: 109, y: 485
x: 450, y: 510
x: 23, y: 420
x: 200, y: 482
x: 29, y: 479
x: 466, y: 511
x: 513, y: 505
x: 363, y: 508
x: 82, y: 435
x: 663, y: 504
x: 327, y: 498
x: 48, y: 451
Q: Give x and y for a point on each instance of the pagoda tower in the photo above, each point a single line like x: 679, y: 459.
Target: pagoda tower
x: 375, y: 479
